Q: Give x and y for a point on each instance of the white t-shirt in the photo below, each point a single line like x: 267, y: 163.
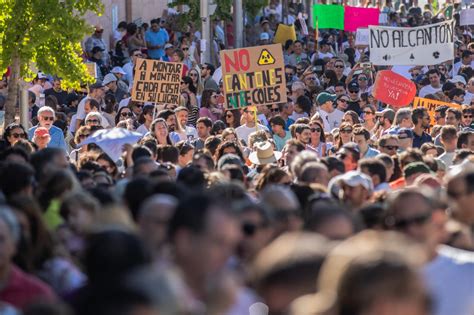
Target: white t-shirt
x: 428, y: 89
x: 325, y: 117
x: 142, y: 129
x: 447, y: 158
x: 450, y: 279
x: 335, y: 118
x: 468, y: 98
x: 243, y: 131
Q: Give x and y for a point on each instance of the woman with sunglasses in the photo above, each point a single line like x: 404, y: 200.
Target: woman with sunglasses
x: 209, y: 106
x: 195, y: 75
x: 329, y: 79
x: 368, y: 115
x: 189, y: 89
x: 345, y: 135
x: 82, y: 134
x: 123, y: 114
x: 12, y: 134
x: 318, y: 139
x: 159, y: 131
x: 232, y: 118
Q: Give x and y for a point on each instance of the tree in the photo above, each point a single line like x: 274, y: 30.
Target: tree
x: 46, y: 33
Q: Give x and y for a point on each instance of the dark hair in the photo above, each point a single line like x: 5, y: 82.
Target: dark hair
x: 417, y: 114
x: 322, y: 211
x: 457, y: 113
x: 189, y: 82
x: 206, y: 121
x: 441, y: 110
x: 456, y: 92
x: 15, y: 177
x: 168, y: 153
x: 331, y: 75
x: 9, y: 129
x: 228, y: 144
x: 236, y: 114
x: 333, y: 163
x: 277, y: 120
x: 206, y: 97
x: 192, y: 177
x: 165, y: 113
x: 110, y: 102
x: 211, y: 68
x: 117, y: 116
x: 153, y: 127
x: 374, y: 167
x: 140, y: 151
x: 463, y: 138
x: 305, y: 103
x: 147, y: 109
x: 132, y: 28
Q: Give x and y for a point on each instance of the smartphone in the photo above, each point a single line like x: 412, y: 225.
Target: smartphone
x: 366, y: 65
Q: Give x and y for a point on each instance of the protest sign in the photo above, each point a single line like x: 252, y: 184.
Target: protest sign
x: 253, y: 76
x: 466, y: 17
x: 362, y: 37
x: 424, y: 45
x: 355, y: 18
x: 329, y: 16
x: 157, y: 81
x: 284, y: 33
x: 92, y: 69
x: 304, y: 27
x: 393, y: 89
x: 431, y: 106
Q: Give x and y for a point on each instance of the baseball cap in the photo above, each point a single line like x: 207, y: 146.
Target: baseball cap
x: 168, y: 45
x: 416, y: 167
x: 405, y: 131
x: 264, y: 21
x: 41, y: 132
x: 96, y: 49
x: 41, y: 75
x: 386, y: 113
x: 324, y: 97
x: 96, y: 85
x: 264, y: 36
x: 356, y: 178
x: 118, y: 70
x: 458, y: 79
x: 110, y: 77
x: 353, y: 86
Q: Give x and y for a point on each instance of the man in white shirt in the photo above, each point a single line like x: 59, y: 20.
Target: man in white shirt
x: 435, y: 83
x: 469, y: 91
x: 326, y: 107
x: 128, y: 67
x: 250, y: 125
x: 449, y: 140
x: 466, y: 61
x: 96, y: 92
x: 449, y: 272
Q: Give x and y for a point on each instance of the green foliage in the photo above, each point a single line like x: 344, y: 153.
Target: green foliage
x: 47, y: 33
x: 253, y: 7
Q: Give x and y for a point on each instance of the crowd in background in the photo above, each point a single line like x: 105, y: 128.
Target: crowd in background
x: 330, y: 203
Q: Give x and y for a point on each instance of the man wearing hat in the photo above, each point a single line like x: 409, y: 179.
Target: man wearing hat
x: 405, y: 138
x: 110, y: 82
x: 120, y: 75
x: 466, y: 61
x: 169, y: 49
x: 264, y: 154
x: 265, y: 24
x: 96, y: 41
x: 324, y: 50
x: 264, y: 39
x: 469, y: 91
x: 96, y: 92
x: 97, y: 56
x: 326, y: 108
x: 354, y: 188
x: 354, y: 100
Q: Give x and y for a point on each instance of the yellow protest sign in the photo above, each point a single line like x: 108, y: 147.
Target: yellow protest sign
x: 92, y: 69
x: 431, y: 106
x: 253, y: 76
x: 157, y: 81
x: 284, y: 33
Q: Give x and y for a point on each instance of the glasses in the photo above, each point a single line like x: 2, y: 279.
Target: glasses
x: 18, y: 135
x: 339, y: 66
x: 229, y: 116
x: 346, y: 130
x: 214, y: 96
x: 126, y: 114
x: 391, y: 147
x: 343, y: 100
x: 139, y: 105
x: 275, y: 110
x: 467, y: 116
x: 50, y: 118
x: 367, y: 112
x: 184, y: 48
x: 299, y: 70
x: 193, y: 74
x: 415, y: 220
x: 182, y: 82
x: 315, y: 129
x: 92, y: 121
x: 362, y: 79
x: 353, y: 91
x: 249, y: 112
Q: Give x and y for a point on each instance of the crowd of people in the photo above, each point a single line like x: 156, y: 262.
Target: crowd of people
x: 330, y: 203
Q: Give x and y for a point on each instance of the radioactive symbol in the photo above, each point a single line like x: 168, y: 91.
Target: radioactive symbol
x: 265, y: 58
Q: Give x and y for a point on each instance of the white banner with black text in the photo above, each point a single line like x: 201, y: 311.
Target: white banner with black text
x: 417, y: 46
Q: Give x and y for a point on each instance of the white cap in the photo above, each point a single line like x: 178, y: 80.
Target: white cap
x: 118, y: 70
x: 264, y: 36
x: 458, y: 79
x: 110, y: 77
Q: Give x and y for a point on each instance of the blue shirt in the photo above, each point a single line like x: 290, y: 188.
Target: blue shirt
x: 57, y: 137
x: 156, y: 38
x: 371, y: 153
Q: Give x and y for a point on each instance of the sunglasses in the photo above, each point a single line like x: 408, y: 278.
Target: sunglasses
x: 249, y: 112
x: 368, y: 112
x: 182, y: 82
x: 125, y: 114
x: 249, y: 228
x: 139, y: 105
x: 343, y: 100
x: 184, y: 48
x: 415, y: 220
x: 353, y: 91
x: 193, y: 74
x: 84, y: 136
x: 275, y: 110
x: 315, y: 129
x: 214, y: 96
x: 467, y: 116
x: 403, y: 137
x: 229, y: 116
x: 362, y: 79
x: 18, y: 135
x: 346, y: 130
x: 340, y: 66
x: 390, y: 147
x: 50, y: 118
x: 92, y: 121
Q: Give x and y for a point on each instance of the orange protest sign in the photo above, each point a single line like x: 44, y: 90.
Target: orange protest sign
x: 157, y: 81
x: 253, y: 76
x: 393, y: 89
x: 431, y: 106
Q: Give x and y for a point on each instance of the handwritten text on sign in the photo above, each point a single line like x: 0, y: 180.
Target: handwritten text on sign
x: 157, y: 81
x: 431, y: 106
x: 253, y: 76
x: 393, y: 89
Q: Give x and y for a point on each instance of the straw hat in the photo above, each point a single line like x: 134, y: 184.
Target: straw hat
x: 264, y: 154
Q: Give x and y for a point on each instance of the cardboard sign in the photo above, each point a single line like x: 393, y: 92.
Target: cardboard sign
x: 92, y: 69
x: 157, y: 81
x: 431, y: 106
x: 425, y: 45
x: 362, y: 37
x: 466, y: 17
x: 355, y: 18
x: 253, y: 76
x: 284, y: 33
x: 393, y: 89
x: 329, y: 16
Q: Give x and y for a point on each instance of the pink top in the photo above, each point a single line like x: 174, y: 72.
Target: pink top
x: 205, y: 112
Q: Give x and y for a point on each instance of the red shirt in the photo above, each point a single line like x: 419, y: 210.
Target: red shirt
x: 23, y: 289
